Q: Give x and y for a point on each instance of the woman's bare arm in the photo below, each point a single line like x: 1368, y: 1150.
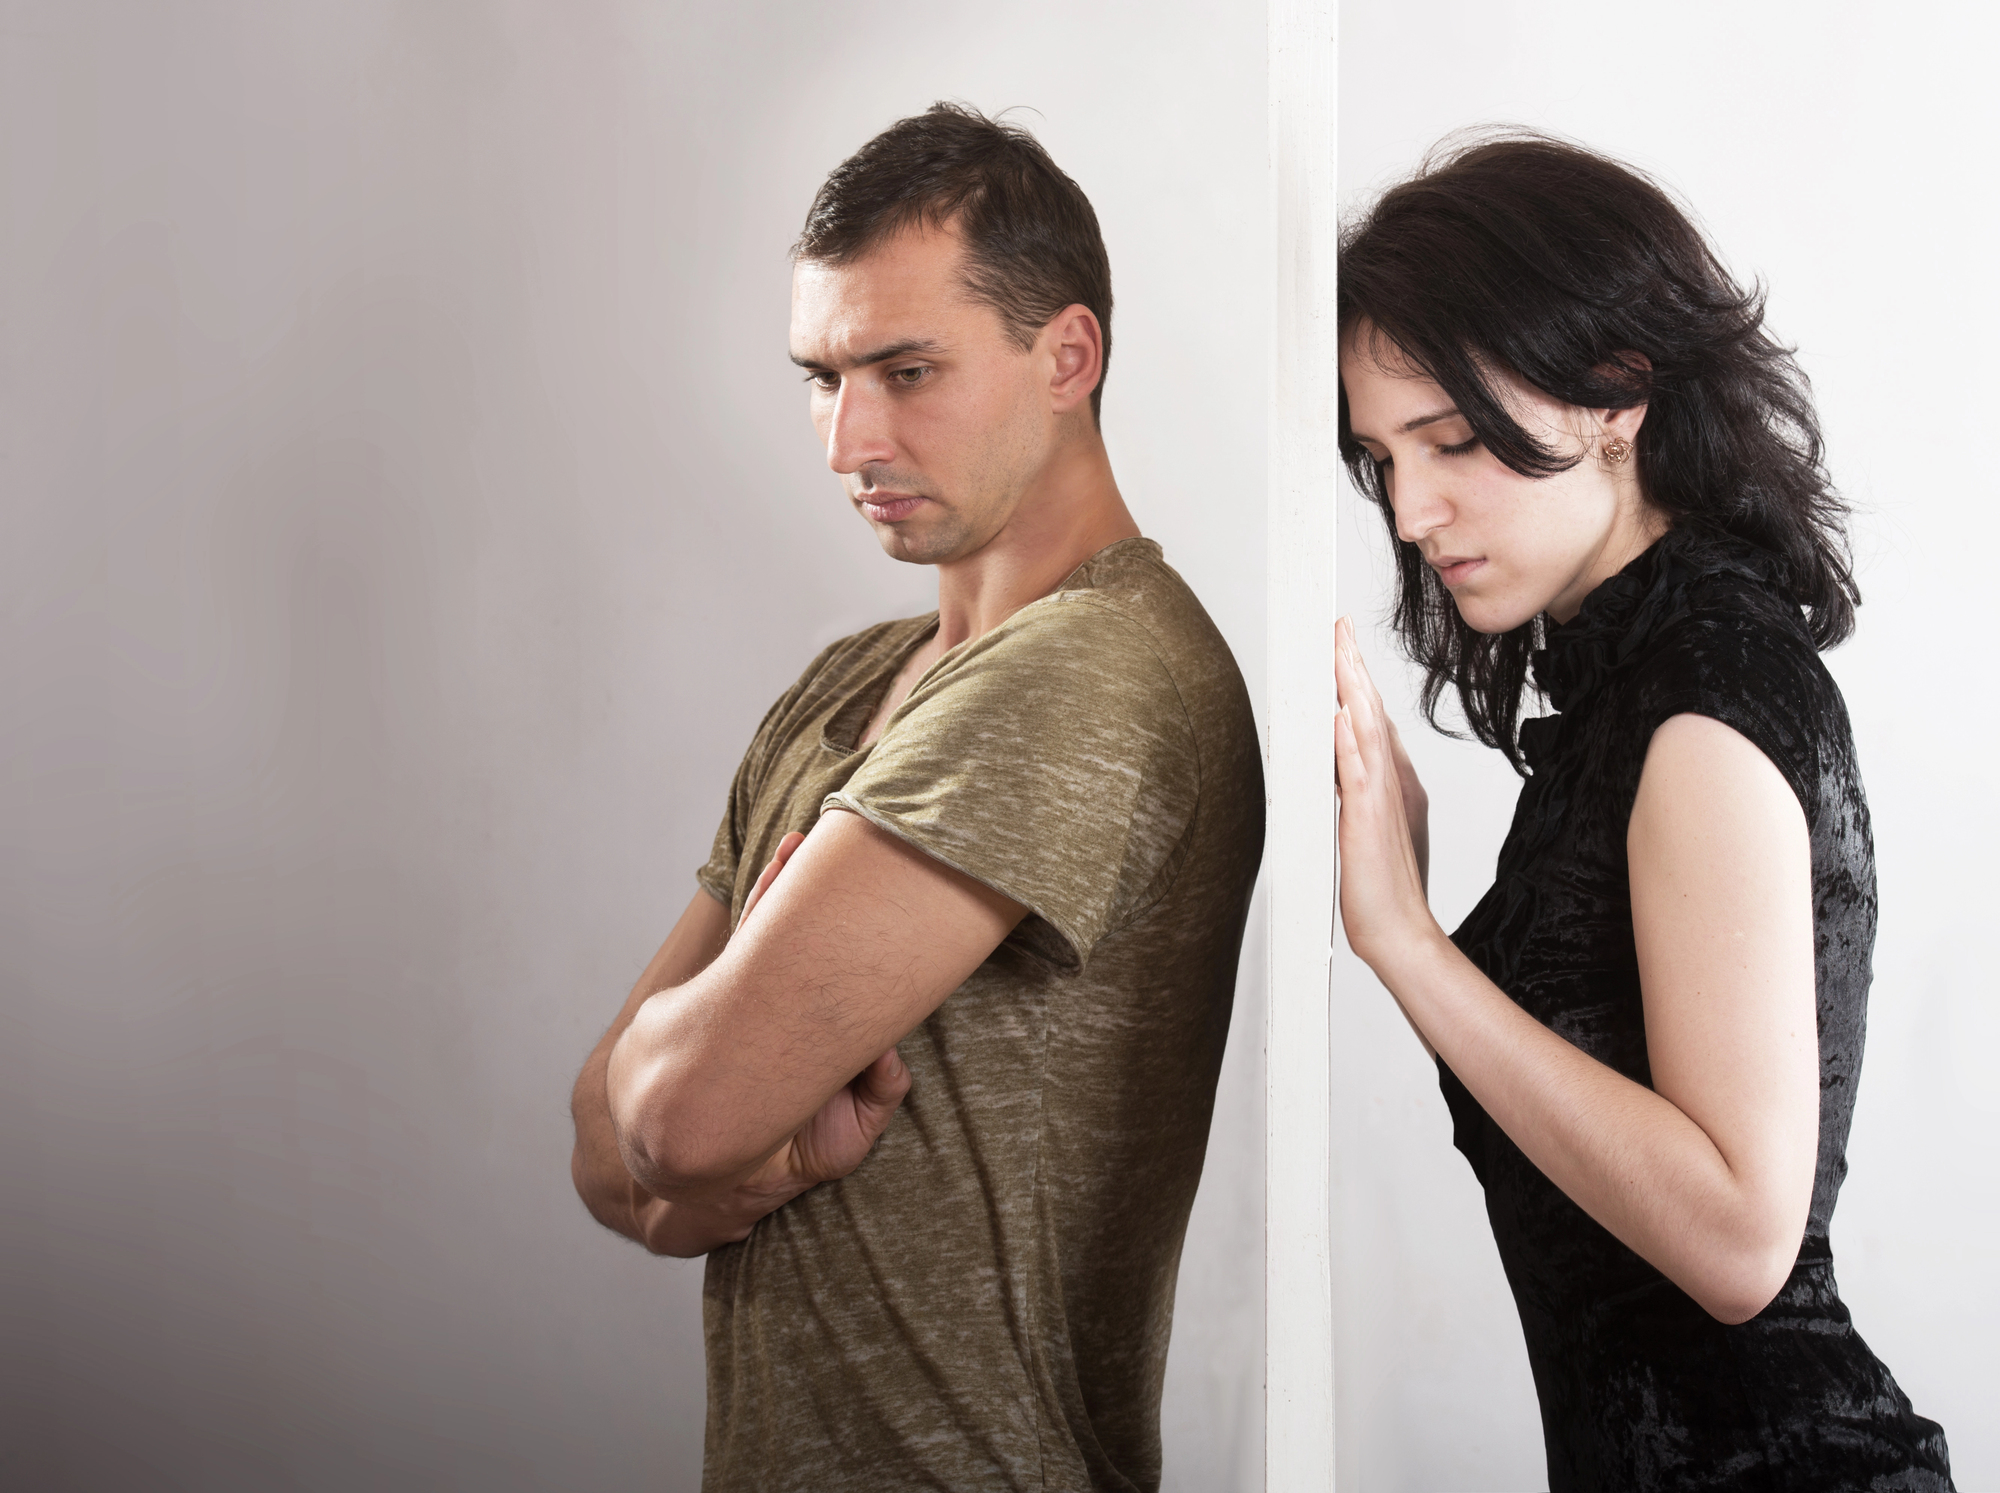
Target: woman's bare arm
x: 1708, y: 1175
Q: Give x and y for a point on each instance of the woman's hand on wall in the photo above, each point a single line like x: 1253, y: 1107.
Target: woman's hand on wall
x: 1384, y: 816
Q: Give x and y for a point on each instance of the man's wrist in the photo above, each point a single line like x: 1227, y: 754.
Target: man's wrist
x: 693, y: 1225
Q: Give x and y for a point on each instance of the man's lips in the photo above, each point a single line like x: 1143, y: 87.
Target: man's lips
x: 1453, y: 569
x: 887, y: 507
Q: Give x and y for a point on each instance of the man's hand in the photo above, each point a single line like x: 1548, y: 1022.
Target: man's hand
x: 842, y: 1131
x: 786, y: 846
x: 829, y: 1146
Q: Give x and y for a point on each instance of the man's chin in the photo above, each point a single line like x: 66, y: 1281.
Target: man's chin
x: 926, y: 545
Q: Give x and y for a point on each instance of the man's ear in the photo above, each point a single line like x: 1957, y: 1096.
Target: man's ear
x: 1075, y: 343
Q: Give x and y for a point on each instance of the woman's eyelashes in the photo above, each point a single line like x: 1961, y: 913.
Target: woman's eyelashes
x: 1463, y: 448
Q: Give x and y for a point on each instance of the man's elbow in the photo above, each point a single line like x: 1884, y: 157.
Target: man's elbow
x: 665, y: 1161
x: 665, y: 1149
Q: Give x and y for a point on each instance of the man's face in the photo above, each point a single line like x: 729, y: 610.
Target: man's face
x: 936, y: 421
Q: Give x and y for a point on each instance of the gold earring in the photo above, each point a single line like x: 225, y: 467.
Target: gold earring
x: 1617, y: 449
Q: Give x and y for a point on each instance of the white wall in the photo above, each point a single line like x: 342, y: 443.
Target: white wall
x: 1843, y: 154
x: 409, y: 511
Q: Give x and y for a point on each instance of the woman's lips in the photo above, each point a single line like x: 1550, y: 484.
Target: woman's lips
x: 1452, y: 572
x: 886, y: 508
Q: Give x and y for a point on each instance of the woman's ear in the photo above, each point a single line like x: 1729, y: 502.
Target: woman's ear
x: 1625, y: 422
x: 1629, y: 367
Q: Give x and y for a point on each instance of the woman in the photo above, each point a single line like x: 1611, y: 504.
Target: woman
x: 1605, y: 477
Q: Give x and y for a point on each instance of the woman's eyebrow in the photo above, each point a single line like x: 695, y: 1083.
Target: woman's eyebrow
x: 1431, y: 419
x: 1409, y: 425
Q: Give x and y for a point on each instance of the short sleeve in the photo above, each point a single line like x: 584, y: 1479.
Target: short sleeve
x: 1052, y: 760
x: 1758, y: 675
x: 718, y: 874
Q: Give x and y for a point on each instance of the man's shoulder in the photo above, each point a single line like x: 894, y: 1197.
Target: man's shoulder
x: 862, y: 651
x: 838, y: 669
x: 1127, y: 598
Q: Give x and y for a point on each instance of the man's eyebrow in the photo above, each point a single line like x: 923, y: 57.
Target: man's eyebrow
x: 901, y: 349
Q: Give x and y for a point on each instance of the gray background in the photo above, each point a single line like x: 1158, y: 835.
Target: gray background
x: 408, y: 514
x: 1843, y: 153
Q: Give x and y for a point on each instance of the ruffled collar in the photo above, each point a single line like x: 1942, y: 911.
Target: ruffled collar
x: 1625, y: 613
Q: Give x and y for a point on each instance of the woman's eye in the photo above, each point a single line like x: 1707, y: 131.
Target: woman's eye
x: 1460, y: 449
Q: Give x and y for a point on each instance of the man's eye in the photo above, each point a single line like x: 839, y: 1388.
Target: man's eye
x: 826, y: 381
x: 909, y: 378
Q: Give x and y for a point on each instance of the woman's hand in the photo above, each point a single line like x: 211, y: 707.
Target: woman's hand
x: 1384, y: 816
x: 1416, y: 805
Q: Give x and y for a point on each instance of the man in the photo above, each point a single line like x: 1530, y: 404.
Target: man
x: 936, y: 1108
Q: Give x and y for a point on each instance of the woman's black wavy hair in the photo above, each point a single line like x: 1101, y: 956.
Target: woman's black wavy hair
x: 1538, y: 256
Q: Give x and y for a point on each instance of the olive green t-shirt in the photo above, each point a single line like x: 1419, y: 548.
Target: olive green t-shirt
x: 984, y: 1302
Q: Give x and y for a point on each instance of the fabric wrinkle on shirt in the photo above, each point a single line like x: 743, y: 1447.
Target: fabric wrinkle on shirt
x: 985, y: 1301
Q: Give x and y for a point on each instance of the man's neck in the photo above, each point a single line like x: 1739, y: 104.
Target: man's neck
x: 1072, y: 511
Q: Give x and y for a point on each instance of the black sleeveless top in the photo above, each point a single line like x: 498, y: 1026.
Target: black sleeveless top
x: 1640, y: 1388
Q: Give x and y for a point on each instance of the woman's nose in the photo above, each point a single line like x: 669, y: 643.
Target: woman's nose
x: 1420, y: 508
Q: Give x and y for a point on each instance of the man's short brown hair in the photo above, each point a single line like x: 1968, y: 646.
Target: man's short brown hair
x: 1032, y: 242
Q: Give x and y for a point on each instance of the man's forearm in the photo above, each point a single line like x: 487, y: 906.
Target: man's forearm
x: 597, y: 1169
x: 686, y: 1229
x: 683, y: 1228
x: 859, y: 940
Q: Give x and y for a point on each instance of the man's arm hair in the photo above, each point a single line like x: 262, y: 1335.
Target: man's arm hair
x: 596, y: 1168
x: 860, y: 939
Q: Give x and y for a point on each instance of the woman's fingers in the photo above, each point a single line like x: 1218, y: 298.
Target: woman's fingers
x: 1381, y: 863
x: 1350, y: 769
x: 1350, y: 676
x: 1362, y: 704
x: 1399, y: 755
x: 1363, y: 688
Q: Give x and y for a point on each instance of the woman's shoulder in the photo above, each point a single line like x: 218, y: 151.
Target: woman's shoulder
x: 1734, y: 646
x: 1724, y: 622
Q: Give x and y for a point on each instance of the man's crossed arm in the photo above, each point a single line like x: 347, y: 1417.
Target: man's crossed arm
x: 744, y: 1070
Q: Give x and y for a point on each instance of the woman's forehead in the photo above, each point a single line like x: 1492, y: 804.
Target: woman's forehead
x: 1388, y: 391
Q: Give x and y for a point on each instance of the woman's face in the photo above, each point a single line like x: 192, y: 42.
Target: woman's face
x: 1507, y: 547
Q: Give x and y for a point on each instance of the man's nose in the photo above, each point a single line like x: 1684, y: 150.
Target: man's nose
x: 1421, y: 508
x: 858, y: 432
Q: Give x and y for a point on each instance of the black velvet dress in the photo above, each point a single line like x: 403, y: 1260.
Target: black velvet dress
x: 1640, y: 1388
